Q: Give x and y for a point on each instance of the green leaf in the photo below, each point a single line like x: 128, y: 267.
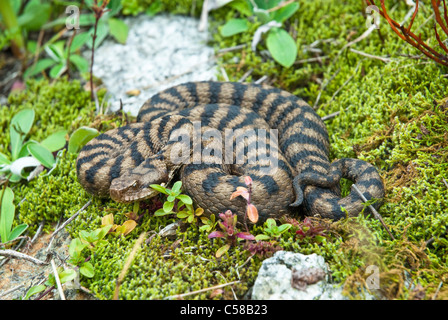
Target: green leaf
x: 168, y: 206
x: 76, y: 246
x: 20, y: 125
x: 282, y: 47
x: 242, y: 7
x: 4, y: 159
x: 67, y: 275
x: 34, y: 15
x: 284, y: 227
x: 267, y: 4
x: 262, y: 237
x: 24, y: 150
x: 81, y: 64
x: 80, y: 137
x: 87, y: 270
x: 34, y: 290
x: 160, y: 212
x: 42, y: 154
x: 101, y: 34
x: 185, y: 199
x: 285, y: 12
x: 114, y: 6
x: 159, y: 188
x: 58, y: 70
x: 234, y: 26
x: 55, y: 141
x: 176, y: 187
x: 17, y: 231
x: 119, y: 30
x: 79, y: 40
x: 222, y: 250
x: 37, y: 68
x: 56, y: 51
x: 7, y: 213
x: 154, y: 8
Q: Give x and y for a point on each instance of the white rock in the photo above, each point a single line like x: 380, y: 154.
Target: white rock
x: 274, y: 279
x: 160, y: 52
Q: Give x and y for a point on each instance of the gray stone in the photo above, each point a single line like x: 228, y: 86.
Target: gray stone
x: 275, y: 279
x: 160, y: 52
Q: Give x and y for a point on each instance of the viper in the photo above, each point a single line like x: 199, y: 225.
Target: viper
x: 291, y: 173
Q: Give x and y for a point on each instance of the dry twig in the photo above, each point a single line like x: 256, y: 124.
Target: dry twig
x: 417, y: 42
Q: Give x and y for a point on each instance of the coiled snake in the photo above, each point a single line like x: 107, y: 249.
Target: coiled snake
x: 123, y: 162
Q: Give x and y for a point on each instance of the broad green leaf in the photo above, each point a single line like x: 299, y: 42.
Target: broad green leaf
x: 284, y: 227
x: 87, y: 270
x: 24, y: 150
x: 55, y: 141
x: 17, y: 231
x: 222, y: 250
x: 75, y: 246
x: 267, y: 4
x: 34, y: 290
x: 159, y: 188
x: 234, y: 26
x: 42, y: 154
x: 81, y: 64
x: 154, y: 8
x: 119, y: 30
x: 160, y: 212
x: 56, y: 51
x: 67, y: 275
x: 114, y: 6
x: 101, y: 33
x: 285, y: 12
x: 168, y: 206
x: 19, y: 127
x: 182, y: 214
x: 262, y: 237
x: 80, y: 137
x: 79, y: 40
x: 35, y: 15
x: 242, y: 7
x: 185, y: 199
x: 282, y: 47
x: 7, y: 213
x: 176, y: 186
x: 40, y: 66
x: 58, y: 70
x: 4, y: 159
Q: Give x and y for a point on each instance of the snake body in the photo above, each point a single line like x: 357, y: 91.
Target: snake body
x: 123, y: 162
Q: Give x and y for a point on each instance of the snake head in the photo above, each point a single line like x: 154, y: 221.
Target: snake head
x: 135, y: 185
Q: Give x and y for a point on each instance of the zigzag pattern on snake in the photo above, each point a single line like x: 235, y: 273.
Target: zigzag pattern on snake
x: 123, y: 162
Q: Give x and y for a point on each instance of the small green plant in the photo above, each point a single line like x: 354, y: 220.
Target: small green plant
x: 271, y: 230
x: 87, y: 240
x: 229, y: 232
x: 34, y: 15
x: 272, y: 14
x: 59, y: 57
x: 178, y: 203
x: 7, y: 212
x: 30, y: 153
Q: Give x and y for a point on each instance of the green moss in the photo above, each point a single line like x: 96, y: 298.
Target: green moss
x: 184, y: 7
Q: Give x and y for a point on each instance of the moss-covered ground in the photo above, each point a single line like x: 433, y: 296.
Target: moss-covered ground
x: 394, y: 115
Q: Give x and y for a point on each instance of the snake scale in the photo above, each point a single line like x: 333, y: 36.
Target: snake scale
x: 123, y: 162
